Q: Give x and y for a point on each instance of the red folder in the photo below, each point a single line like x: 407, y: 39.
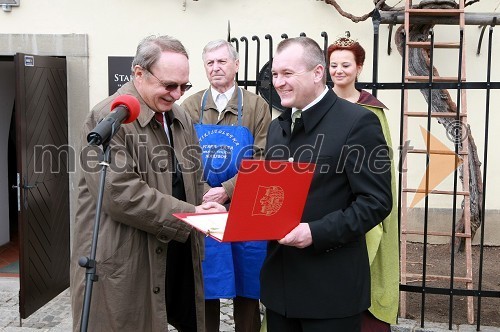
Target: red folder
x: 267, y: 203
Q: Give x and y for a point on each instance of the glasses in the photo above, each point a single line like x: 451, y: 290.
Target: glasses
x: 172, y: 86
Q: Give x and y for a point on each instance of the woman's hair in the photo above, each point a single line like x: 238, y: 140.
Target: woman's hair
x: 346, y: 43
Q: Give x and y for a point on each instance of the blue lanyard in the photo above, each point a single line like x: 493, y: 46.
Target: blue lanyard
x: 240, y: 105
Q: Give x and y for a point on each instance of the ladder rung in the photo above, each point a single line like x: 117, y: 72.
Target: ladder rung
x: 443, y: 152
x: 434, y: 79
x: 435, y: 114
x: 435, y: 233
x: 427, y: 44
x: 435, y: 12
x: 438, y: 192
x: 433, y: 277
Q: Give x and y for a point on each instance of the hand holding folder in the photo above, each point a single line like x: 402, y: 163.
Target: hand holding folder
x: 267, y: 203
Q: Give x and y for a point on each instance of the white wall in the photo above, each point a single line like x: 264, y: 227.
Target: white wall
x: 115, y: 27
x: 7, y: 95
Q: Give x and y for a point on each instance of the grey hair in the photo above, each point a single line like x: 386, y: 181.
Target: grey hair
x: 216, y: 44
x: 151, y: 47
x: 313, y: 55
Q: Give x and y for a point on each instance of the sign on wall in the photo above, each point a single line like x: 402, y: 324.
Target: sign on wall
x: 119, y: 72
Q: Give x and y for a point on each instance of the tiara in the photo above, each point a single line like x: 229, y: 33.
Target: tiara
x: 345, y: 41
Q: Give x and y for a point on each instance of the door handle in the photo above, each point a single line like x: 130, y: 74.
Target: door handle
x: 18, y: 186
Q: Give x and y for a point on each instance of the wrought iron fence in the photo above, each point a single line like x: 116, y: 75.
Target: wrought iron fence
x: 255, y: 74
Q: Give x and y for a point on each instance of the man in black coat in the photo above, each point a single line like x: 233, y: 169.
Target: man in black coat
x: 317, y: 277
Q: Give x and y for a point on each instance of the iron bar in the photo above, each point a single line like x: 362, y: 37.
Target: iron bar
x: 402, y: 144
x: 455, y: 180
x: 271, y: 87
x: 245, y: 40
x: 235, y: 40
x: 485, y: 169
x: 376, y: 28
x: 427, y: 173
x: 257, y: 64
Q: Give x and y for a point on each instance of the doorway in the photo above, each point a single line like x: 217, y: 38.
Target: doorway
x: 9, y: 251
x: 9, y: 244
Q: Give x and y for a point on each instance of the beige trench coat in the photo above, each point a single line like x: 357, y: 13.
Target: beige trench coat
x: 136, y: 223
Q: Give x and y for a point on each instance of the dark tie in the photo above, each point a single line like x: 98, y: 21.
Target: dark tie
x: 177, y: 181
x: 160, y: 118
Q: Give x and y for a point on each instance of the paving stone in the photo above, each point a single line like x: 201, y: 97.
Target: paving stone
x: 23, y: 329
x: 435, y: 327
x: 406, y: 326
x: 55, y: 316
x: 473, y: 328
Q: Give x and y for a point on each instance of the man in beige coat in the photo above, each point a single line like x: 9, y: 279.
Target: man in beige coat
x: 148, y: 262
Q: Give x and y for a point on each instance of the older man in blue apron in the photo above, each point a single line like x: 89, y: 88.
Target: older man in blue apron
x: 231, y: 124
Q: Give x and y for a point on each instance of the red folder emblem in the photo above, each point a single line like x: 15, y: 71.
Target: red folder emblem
x: 267, y: 203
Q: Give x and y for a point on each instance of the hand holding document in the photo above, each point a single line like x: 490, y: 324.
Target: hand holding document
x: 210, y: 207
x: 267, y: 203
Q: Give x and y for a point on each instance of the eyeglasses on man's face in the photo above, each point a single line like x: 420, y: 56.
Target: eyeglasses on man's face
x: 169, y: 86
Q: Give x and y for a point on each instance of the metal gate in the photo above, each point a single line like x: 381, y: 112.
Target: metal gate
x: 255, y: 74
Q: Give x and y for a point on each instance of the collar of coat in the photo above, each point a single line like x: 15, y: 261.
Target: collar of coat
x: 312, y: 116
x: 232, y: 104
x: 366, y: 98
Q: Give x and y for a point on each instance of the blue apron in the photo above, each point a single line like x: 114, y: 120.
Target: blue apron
x: 229, y: 269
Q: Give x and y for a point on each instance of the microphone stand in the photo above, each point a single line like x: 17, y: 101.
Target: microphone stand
x: 89, y: 263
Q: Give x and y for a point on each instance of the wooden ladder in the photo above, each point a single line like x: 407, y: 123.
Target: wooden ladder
x: 428, y: 151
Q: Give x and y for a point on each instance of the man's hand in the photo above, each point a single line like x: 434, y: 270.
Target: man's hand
x: 217, y: 194
x: 299, y: 237
x: 210, y: 207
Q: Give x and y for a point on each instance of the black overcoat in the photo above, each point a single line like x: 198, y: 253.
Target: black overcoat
x: 350, y: 193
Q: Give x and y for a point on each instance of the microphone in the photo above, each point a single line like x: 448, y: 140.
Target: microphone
x: 124, y: 109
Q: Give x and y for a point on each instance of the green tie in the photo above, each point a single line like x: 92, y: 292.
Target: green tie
x: 297, y: 114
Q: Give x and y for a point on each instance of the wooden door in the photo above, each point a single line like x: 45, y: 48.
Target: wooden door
x: 42, y: 165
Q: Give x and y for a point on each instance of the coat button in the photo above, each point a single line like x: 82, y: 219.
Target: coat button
x: 159, y: 250
x: 156, y: 290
